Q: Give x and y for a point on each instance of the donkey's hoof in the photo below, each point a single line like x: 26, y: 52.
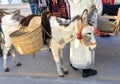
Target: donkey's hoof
x: 61, y: 75
x: 49, y: 49
x: 9, y: 53
x: 6, y: 70
x: 65, y: 72
x: 1, y: 54
x: 73, y: 67
x: 18, y: 64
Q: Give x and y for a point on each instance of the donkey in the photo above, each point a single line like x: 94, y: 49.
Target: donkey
x: 11, y: 22
x: 61, y: 32
x: 57, y: 32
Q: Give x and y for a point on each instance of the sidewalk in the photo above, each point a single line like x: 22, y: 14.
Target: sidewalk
x: 42, y: 69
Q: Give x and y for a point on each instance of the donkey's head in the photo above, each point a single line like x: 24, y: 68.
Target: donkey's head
x: 16, y: 15
x: 86, y: 31
x: 12, y: 18
x: 2, y: 13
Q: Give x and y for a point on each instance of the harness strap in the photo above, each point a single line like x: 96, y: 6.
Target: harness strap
x: 79, y: 34
x: 97, y: 32
x: 88, y: 44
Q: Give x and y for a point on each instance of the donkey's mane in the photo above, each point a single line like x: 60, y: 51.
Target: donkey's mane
x: 46, y: 25
x: 67, y: 22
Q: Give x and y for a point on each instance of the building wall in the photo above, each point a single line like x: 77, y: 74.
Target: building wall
x: 24, y: 8
x: 13, y: 1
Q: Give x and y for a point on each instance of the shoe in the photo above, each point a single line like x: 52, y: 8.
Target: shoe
x: 88, y: 72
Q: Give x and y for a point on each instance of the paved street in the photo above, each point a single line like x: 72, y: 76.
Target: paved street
x: 42, y: 69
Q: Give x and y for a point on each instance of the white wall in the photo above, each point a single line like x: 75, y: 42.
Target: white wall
x: 10, y: 1
x: 117, y: 1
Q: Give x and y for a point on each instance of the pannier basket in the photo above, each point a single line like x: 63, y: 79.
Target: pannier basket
x: 27, y: 40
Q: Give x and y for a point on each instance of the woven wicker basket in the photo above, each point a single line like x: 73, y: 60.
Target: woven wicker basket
x: 36, y: 21
x: 27, y: 40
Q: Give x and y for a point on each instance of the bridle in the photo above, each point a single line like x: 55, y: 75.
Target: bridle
x: 80, y: 27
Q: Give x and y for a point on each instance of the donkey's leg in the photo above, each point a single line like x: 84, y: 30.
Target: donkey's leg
x: 1, y: 43
x: 57, y: 61
x: 61, y: 60
x: 1, y: 51
x: 14, y: 57
x: 5, y: 52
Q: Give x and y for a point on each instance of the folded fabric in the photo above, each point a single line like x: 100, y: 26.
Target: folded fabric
x: 106, y: 26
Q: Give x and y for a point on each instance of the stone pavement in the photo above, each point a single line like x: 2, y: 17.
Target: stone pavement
x: 42, y: 68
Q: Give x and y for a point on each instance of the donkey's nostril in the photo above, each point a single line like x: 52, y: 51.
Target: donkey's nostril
x: 92, y: 49
x: 89, y: 33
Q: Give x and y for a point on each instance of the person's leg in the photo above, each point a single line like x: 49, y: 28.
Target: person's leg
x: 36, y: 9
x: 88, y: 72
x: 32, y: 8
x: 50, y: 6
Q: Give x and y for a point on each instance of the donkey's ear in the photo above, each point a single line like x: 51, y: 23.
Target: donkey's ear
x: 15, y: 12
x: 84, y: 16
x: 2, y: 13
